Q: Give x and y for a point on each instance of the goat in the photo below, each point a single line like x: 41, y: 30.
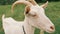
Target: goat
x: 34, y: 17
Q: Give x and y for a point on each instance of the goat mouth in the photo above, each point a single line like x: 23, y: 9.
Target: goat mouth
x: 49, y: 31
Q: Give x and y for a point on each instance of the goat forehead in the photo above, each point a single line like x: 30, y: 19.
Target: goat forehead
x: 37, y: 9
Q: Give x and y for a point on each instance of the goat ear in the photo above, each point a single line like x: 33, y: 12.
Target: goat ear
x: 44, y: 5
x: 27, y: 9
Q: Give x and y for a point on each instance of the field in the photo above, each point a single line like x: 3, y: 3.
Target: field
x: 52, y: 11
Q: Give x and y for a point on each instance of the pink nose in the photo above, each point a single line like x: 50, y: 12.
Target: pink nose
x: 52, y: 28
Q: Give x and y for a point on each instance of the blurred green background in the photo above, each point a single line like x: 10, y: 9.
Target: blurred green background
x: 6, y: 2
x: 52, y: 11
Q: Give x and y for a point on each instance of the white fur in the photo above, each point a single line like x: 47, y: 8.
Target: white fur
x: 40, y: 21
x: 11, y: 26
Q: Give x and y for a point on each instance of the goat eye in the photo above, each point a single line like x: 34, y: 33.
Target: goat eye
x: 34, y: 15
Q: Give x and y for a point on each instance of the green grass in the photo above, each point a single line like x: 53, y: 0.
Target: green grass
x: 52, y: 11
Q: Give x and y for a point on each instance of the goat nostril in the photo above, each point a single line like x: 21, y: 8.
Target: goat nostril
x: 51, y: 27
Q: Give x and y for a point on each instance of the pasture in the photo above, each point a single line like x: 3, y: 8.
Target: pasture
x: 52, y: 11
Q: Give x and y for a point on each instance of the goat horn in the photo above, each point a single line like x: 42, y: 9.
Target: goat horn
x: 20, y: 2
x: 33, y: 2
x: 44, y: 5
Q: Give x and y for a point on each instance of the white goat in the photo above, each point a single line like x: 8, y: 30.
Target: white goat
x: 34, y: 17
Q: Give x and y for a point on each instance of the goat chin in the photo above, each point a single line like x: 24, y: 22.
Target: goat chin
x: 11, y: 26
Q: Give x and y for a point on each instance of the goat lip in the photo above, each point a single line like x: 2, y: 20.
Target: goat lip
x: 49, y: 31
